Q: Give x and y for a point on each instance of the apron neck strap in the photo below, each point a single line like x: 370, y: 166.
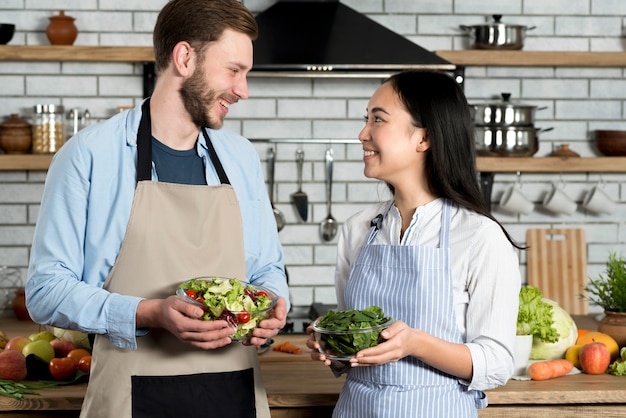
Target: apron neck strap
x: 215, y: 159
x: 144, y: 144
x: 144, y: 148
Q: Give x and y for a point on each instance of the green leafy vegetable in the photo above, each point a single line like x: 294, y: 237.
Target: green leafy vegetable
x: 17, y: 390
x: 567, y: 331
x: 617, y: 368
x: 336, y: 340
x: 534, y: 316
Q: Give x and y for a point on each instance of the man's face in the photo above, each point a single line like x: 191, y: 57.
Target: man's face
x: 219, y: 80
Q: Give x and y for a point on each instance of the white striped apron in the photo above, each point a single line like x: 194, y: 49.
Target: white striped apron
x: 413, y: 284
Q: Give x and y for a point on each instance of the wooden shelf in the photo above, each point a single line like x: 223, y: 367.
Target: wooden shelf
x: 16, y: 162
x: 476, y: 57
x: 76, y: 53
x: 551, y: 164
x: 473, y: 57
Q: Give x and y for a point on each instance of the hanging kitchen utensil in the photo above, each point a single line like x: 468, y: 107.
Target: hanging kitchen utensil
x: 328, y: 227
x: 271, y: 162
x: 557, y: 265
x: 299, y: 198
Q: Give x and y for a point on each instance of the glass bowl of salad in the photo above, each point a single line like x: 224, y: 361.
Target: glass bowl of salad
x: 342, y: 334
x: 241, y: 304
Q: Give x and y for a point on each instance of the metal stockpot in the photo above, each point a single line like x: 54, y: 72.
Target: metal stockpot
x: 504, y: 113
x: 512, y: 141
x: 496, y: 35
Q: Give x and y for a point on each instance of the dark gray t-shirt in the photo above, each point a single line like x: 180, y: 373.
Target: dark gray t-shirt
x: 173, y: 166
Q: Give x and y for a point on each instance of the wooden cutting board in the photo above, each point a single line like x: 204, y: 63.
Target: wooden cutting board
x: 557, y: 265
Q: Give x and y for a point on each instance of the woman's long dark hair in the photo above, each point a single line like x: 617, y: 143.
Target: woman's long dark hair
x: 437, y: 103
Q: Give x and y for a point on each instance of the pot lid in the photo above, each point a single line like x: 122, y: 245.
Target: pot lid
x: 497, y: 23
x: 505, y: 101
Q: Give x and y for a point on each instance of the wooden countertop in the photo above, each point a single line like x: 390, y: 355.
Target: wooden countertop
x: 297, y: 381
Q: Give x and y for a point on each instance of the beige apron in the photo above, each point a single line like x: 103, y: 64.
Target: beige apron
x: 175, y: 232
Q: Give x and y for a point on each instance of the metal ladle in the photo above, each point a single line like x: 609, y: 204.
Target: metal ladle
x: 328, y: 227
x: 278, y: 215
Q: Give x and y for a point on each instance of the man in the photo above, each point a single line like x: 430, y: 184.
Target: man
x: 153, y: 196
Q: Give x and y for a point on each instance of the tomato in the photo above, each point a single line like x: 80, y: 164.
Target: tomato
x: 243, y: 317
x: 84, y: 364
x: 191, y: 293
x: 62, y: 368
x: 262, y: 293
x: 200, y: 300
x: 78, y: 353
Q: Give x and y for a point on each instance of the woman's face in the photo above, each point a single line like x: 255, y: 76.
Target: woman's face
x: 392, y: 145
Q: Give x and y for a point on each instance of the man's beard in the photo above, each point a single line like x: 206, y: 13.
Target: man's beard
x: 197, y: 96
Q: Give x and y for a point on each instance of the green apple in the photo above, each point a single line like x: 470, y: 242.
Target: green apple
x: 41, y: 348
x: 43, y: 335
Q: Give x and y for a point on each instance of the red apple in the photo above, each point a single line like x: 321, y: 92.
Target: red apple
x: 594, y: 358
x: 62, y: 347
x: 17, y: 343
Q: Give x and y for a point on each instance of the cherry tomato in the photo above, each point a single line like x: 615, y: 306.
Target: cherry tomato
x: 62, y: 368
x: 191, y: 293
x: 200, y: 300
x: 84, y: 365
x: 243, y: 317
x: 78, y: 353
x: 262, y: 293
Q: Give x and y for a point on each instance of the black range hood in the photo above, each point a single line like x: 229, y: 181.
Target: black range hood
x: 324, y: 37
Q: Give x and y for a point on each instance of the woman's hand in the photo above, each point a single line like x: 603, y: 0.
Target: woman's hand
x: 399, y: 340
x: 314, y: 346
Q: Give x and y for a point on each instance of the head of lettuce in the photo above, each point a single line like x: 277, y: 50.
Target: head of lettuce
x: 553, y: 329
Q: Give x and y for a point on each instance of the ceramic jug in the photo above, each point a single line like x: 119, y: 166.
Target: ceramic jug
x: 61, y: 30
x: 15, y: 135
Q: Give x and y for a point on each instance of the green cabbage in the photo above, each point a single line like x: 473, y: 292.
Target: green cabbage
x: 79, y: 338
x: 568, y: 334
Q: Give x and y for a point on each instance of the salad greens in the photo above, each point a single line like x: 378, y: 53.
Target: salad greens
x: 242, y: 305
x: 336, y: 326
x: 534, y: 316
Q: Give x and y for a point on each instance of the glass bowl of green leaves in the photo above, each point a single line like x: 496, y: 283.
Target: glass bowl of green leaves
x: 342, y: 334
x: 241, y: 304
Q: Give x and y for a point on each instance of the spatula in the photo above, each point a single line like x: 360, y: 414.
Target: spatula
x: 299, y: 198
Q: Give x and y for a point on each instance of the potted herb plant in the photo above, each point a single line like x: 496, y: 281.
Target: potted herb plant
x: 608, y: 291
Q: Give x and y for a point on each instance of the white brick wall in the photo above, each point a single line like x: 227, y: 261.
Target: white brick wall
x: 576, y: 100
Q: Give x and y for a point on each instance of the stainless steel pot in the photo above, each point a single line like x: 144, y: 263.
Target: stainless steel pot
x: 504, y: 113
x: 497, y: 35
x: 512, y: 141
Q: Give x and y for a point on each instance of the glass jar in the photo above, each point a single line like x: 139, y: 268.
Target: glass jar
x: 76, y: 119
x: 48, y: 128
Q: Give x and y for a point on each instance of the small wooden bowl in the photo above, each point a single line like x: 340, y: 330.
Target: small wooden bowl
x: 611, y: 143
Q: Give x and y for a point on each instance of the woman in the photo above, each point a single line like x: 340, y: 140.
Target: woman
x: 433, y: 258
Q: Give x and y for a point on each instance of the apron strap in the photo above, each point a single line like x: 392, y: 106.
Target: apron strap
x: 144, y: 144
x: 144, y: 148
x: 215, y: 159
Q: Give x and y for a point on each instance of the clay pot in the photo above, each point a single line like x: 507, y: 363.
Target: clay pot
x: 61, y: 30
x: 15, y: 135
x: 19, y: 305
x: 614, y: 324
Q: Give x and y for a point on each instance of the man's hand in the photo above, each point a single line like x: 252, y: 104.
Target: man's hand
x: 182, y: 319
x: 270, y: 326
